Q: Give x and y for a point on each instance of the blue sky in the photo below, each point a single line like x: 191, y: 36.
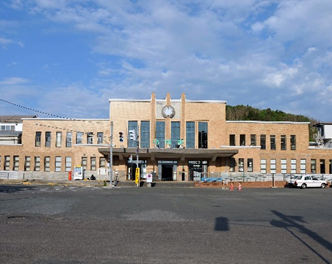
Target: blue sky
x: 69, y: 57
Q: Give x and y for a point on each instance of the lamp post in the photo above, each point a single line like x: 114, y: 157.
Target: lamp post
x: 111, y: 155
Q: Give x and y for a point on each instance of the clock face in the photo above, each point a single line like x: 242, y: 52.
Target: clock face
x: 168, y: 111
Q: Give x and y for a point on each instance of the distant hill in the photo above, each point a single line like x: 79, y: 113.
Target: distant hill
x: 242, y: 112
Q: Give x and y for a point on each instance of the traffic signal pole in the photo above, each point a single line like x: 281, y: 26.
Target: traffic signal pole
x: 111, y: 155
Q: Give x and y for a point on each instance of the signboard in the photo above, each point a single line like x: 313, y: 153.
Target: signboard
x: 137, y: 175
x: 78, y: 173
x: 149, y: 178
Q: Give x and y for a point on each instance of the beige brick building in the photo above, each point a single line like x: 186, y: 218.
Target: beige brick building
x: 176, y: 140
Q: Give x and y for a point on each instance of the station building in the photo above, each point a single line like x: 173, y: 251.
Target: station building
x: 172, y: 139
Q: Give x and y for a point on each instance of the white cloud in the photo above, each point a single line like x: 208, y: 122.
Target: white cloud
x: 14, y: 81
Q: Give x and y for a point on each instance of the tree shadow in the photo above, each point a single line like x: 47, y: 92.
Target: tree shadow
x: 288, y: 222
x: 221, y: 224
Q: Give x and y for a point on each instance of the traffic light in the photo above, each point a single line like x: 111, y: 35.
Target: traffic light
x: 121, y: 136
x: 132, y: 134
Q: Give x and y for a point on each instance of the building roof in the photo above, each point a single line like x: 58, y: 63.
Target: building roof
x: 14, y: 118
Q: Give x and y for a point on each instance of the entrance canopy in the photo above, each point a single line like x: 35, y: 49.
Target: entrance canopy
x: 178, y: 153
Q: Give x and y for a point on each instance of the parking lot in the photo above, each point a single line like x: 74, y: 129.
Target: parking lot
x: 61, y: 224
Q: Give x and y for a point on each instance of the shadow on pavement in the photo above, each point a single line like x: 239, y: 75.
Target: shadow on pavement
x: 14, y: 188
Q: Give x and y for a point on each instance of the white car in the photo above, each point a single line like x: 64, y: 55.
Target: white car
x: 309, y: 181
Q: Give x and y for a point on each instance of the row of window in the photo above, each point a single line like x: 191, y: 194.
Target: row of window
x: 273, y: 143
x: 7, y: 127
x: 58, y: 160
x: 69, y: 135
x: 175, y: 141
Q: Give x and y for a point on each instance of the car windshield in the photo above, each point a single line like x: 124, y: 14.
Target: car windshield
x: 314, y: 178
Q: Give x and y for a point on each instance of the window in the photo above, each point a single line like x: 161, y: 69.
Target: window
x: 231, y: 164
x: 145, y: 134
x: 37, y: 163
x: 263, y: 141
x: 16, y: 163
x: 160, y: 133
x: 313, y: 166
x: 100, y: 137
x: 84, y: 162
x: 250, y: 165
x: 27, y: 163
x: 283, y: 166
x: 79, y: 137
x: 175, y: 133
x: 58, y: 141
x: 303, y: 166
x: 293, y: 142
x: 293, y: 166
x: 102, y: 162
x: 242, y: 140
x: 7, y: 163
x: 241, y: 165
x: 273, y: 142
x: 283, y: 142
x: 252, y: 140
x: 93, y: 163
x: 232, y: 140
x: 68, y: 139
x: 190, y: 134
x: 263, y: 166
x: 321, y: 165
x: 273, y: 166
x: 90, y: 138
x: 330, y: 166
x: 47, y: 162
x: 38, y: 139
x: 68, y: 163
x: 202, y: 135
x: 57, y: 164
x: 132, y: 125
x: 48, y: 139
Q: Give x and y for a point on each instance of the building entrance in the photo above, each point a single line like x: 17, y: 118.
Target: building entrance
x: 197, y: 169
x: 167, y: 170
x: 131, y: 169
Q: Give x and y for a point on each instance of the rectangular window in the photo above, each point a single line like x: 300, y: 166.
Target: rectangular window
x: 232, y: 140
x: 273, y: 166
x: 79, y: 137
x: 7, y: 163
x: 160, y: 133
x: 252, y: 140
x: 303, y: 166
x: 58, y: 141
x: 283, y: 142
x: 145, y: 134
x: 241, y: 165
x: 68, y: 163
x: 293, y: 166
x: 263, y: 166
x: 132, y: 125
x: 38, y: 139
x: 48, y: 139
x: 283, y: 166
x: 250, y: 165
x: 57, y: 164
x: 68, y: 139
x: 27, y: 163
x: 90, y: 138
x: 322, y: 166
x: 102, y: 162
x: 100, y: 137
x: 84, y: 163
x: 37, y: 163
x: 190, y: 134
x: 175, y: 133
x: 273, y: 142
x: 47, y: 163
x: 263, y: 141
x: 93, y: 163
x: 313, y: 166
x: 16, y: 163
x: 242, y: 140
x: 202, y: 135
x: 293, y: 142
x: 232, y: 165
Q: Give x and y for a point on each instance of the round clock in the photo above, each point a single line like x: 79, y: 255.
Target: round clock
x: 168, y: 111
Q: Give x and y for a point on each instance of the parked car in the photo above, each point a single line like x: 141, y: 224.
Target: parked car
x: 290, y: 181
x: 309, y: 181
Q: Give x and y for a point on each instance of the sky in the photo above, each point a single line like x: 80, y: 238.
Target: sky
x: 69, y: 57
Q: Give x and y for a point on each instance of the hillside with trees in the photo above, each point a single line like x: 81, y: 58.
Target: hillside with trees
x: 242, y: 112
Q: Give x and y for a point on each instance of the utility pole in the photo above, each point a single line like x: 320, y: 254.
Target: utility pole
x: 111, y: 155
